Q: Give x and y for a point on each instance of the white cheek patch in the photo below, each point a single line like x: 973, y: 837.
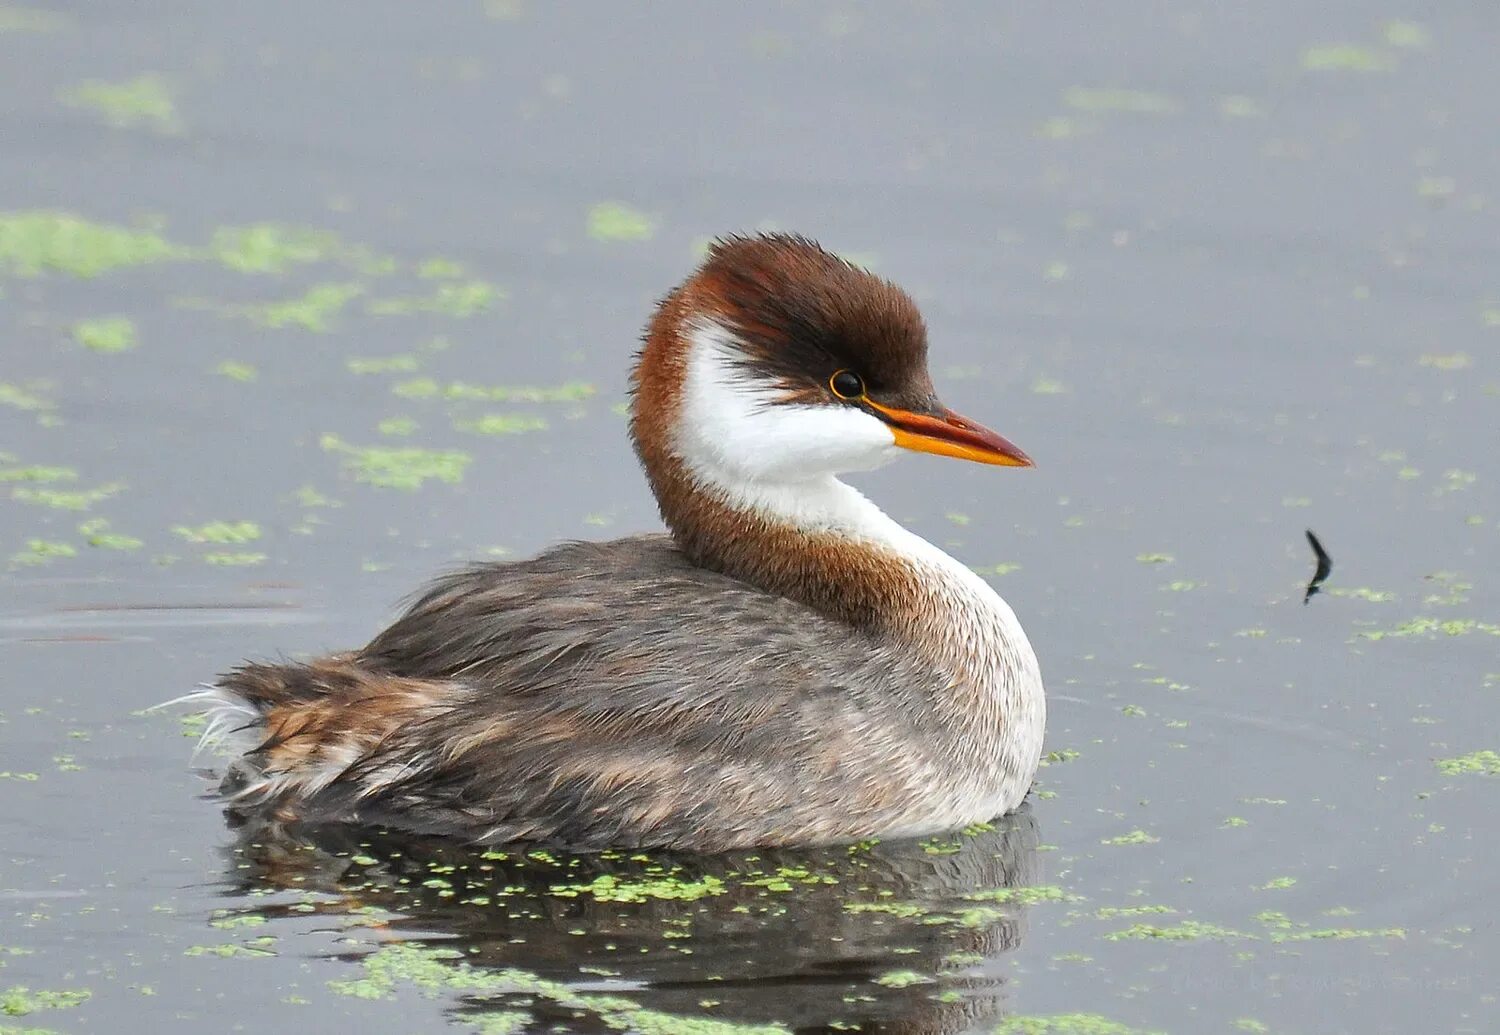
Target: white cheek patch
x: 732, y: 429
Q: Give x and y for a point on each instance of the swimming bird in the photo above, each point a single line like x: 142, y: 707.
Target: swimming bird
x: 786, y: 666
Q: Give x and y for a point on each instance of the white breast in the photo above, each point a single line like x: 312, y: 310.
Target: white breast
x: 781, y: 461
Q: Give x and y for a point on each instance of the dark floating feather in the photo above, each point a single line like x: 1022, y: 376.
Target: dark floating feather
x: 1325, y: 565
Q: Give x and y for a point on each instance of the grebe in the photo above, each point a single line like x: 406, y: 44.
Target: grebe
x: 789, y: 666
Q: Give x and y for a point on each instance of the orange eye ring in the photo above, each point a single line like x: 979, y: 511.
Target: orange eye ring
x: 847, y: 385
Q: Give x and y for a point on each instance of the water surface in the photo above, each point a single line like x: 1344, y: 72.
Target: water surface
x: 302, y: 303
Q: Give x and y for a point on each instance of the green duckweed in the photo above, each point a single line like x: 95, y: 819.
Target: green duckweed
x: 503, y: 424
x: 32, y: 19
x: 20, y: 1001
x: 234, y: 559
x: 435, y: 971
x: 616, y: 221
x: 608, y: 888
x: 1346, y: 57
x: 24, y: 399
x: 1066, y: 1024
x: 405, y: 468
x: 60, y: 499
x: 236, y: 371
x: 902, y: 979
x: 272, y: 247
x: 220, y: 532
x: 461, y: 391
x: 457, y: 299
x: 403, y: 364
x: 106, y: 334
x: 1484, y: 763
x: 97, y: 534
x: 1429, y: 627
x: 42, y: 551
x: 398, y: 426
x: 314, y: 310
x: 143, y: 102
x: 38, y: 473
x: 39, y: 241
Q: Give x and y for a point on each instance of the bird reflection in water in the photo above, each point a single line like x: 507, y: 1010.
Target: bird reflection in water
x: 895, y: 936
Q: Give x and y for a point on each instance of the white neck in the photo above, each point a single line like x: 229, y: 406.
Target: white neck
x: 780, y: 461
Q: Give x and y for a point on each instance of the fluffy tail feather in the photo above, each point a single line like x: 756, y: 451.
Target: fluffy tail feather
x: 294, y: 729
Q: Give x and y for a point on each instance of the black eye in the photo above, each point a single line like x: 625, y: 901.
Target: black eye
x: 846, y: 384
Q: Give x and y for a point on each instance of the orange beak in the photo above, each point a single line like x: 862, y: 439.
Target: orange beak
x: 947, y: 434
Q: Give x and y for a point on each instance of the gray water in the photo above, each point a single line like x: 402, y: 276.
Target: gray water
x: 1227, y: 274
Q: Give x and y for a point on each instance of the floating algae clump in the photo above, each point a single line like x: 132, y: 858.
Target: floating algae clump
x: 1427, y: 626
x: 220, y: 532
x: 1025, y: 896
x: 615, y: 221
x: 503, y: 424
x: 1186, y: 931
x: 20, y: 1001
x: 608, y: 888
x: 22, y: 399
x: 38, y: 473
x: 59, y: 499
x: 34, y: 242
x: 1486, y: 763
x: 1346, y: 57
x: 42, y: 551
x: 272, y: 247
x: 402, y: 364
x: 31, y: 19
x: 145, y: 101
x: 462, y: 391
x: 236, y: 371
x: 311, y: 311
x: 234, y: 560
x: 405, y: 468
x: 434, y: 971
x: 106, y: 334
x: 96, y: 533
x: 1065, y: 1024
x: 458, y: 300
